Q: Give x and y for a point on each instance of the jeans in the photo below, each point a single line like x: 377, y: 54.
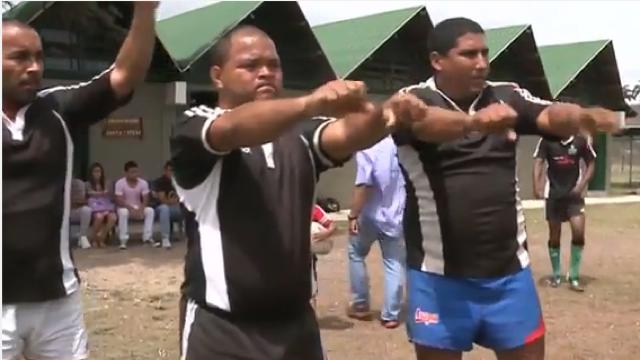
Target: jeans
x: 166, y: 214
x: 393, y: 258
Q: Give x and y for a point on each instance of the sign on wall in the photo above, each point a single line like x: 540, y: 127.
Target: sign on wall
x: 123, y: 128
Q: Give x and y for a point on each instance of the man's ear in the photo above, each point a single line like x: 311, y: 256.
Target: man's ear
x: 214, y: 73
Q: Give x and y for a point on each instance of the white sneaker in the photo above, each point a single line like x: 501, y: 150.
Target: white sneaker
x: 84, y: 243
x: 166, y: 243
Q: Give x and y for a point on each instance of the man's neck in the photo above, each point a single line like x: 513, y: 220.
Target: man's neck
x: 461, y: 99
x: 226, y: 104
x: 132, y: 181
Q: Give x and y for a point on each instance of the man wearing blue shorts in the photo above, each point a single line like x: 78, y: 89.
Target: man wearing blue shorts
x: 469, y: 279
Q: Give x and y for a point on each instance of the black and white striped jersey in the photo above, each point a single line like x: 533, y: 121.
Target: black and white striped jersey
x: 463, y: 214
x: 37, y: 161
x: 250, y: 253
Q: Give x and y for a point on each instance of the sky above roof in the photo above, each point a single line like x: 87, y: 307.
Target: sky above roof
x: 553, y: 21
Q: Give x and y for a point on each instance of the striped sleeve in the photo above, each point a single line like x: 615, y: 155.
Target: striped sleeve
x: 191, y: 154
x: 311, y: 135
x: 87, y: 102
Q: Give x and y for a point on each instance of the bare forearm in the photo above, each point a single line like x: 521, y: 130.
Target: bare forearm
x: 356, y: 131
x: 135, y: 55
x: 255, y: 123
x: 588, y: 175
x: 564, y: 120
x: 360, y: 194
x: 442, y: 125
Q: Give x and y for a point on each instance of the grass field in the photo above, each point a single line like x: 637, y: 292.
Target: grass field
x: 131, y: 298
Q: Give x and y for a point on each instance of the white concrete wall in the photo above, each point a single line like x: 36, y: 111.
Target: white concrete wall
x: 150, y: 152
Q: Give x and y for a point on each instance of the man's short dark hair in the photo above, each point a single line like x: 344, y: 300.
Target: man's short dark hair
x: 445, y: 35
x: 130, y: 164
x: 220, y: 50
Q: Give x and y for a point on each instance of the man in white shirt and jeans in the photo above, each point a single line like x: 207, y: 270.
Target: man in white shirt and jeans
x: 132, y: 198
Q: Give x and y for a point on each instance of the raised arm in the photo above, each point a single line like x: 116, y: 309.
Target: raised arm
x: 435, y: 124
x: 541, y: 117
x: 90, y: 101
x: 564, y: 120
x: 261, y: 121
x: 135, y: 54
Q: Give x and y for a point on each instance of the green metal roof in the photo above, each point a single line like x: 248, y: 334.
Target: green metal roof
x: 26, y: 11
x: 349, y: 43
x: 563, y: 62
x: 499, y: 39
x: 201, y: 27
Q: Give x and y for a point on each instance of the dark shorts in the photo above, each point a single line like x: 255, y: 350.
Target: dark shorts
x: 454, y: 313
x: 208, y: 335
x: 561, y: 210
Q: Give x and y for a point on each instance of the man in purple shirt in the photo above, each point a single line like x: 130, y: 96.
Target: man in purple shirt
x: 376, y: 215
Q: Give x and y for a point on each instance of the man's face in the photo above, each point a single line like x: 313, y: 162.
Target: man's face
x: 466, y: 65
x: 252, y: 69
x: 22, y: 64
x: 133, y: 173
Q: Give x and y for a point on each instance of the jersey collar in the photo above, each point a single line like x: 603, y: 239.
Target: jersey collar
x: 431, y: 84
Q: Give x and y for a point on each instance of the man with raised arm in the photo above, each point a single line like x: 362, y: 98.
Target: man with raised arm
x: 41, y: 302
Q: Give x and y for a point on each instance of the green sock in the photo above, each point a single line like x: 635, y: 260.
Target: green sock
x: 554, y: 255
x: 576, y: 258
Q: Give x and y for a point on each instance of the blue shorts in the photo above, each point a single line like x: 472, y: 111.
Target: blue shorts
x: 454, y: 313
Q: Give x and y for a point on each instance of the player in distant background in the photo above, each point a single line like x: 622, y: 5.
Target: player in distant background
x: 564, y: 190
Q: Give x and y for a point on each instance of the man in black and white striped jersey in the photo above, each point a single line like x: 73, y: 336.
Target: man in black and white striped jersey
x: 469, y: 279
x: 248, y: 170
x: 41, y: 304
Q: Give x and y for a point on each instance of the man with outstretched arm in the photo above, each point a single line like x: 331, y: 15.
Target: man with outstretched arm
x: 248, y: 169
x: 469, y: 279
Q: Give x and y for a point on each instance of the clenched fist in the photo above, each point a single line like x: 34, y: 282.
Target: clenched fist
x: 402, y: 109
x: 336, y: 98
x: 598, y: 119
x: 494, y: 118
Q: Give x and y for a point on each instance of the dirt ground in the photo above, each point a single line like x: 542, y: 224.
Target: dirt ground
x: 131, y: 298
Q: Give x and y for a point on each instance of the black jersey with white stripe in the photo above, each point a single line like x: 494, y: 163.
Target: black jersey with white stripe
x: 463, y: 214
x: 37, y: 161
x: 564, y: 170
x: 249, y: 256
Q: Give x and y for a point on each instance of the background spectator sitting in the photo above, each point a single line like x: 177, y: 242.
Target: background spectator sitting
x: 100, y: 200
x: 132, y: 198
x: 168, y: 209
x: 80, y: 212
